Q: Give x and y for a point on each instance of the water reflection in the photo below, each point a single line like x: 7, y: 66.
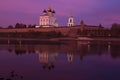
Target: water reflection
x: 35, y: 60
x: 47, y: 60
x: 12, y: 75
x: 48, y: 53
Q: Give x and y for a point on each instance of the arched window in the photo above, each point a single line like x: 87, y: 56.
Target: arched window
x: 70, y: 20
x: 43, y: 20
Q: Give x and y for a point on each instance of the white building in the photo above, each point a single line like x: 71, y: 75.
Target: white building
x: 70, y: 21
x: 48, y: 19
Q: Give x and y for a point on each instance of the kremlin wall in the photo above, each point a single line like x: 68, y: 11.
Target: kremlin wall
x: 65, y: 31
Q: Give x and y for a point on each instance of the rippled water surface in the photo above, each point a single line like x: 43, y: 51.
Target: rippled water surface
x: 68, y: 61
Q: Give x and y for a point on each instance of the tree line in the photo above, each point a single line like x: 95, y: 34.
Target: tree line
x: 21, y: 25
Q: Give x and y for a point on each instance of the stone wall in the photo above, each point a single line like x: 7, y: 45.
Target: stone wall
x: 71, y: 31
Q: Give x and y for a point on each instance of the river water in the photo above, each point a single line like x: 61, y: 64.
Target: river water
x: 65, y: 61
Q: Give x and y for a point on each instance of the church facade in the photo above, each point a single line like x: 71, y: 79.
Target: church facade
x: 48, y: 19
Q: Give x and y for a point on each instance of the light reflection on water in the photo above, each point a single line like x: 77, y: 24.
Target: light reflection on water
x: 68, y: 61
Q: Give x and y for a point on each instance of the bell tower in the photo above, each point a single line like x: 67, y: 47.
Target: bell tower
x: 70, y: 21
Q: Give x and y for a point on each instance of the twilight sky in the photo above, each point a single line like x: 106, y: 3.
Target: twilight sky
x: 93, y: 12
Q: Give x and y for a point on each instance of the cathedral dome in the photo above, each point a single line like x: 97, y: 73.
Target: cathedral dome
x: 44, y: 11
x: 53, y: 11
x: 49, y: 9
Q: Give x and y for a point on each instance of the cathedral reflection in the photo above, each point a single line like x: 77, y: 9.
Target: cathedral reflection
x: 47, y: 60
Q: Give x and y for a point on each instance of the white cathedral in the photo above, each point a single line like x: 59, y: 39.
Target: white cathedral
x: 48, y: 19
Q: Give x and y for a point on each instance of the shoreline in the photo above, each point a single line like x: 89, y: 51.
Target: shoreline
x: 64, y: 39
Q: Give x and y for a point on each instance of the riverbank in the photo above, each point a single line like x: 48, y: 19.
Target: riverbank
x: 84, y: 39
x: 62, y: 39
x: 98, y: 39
